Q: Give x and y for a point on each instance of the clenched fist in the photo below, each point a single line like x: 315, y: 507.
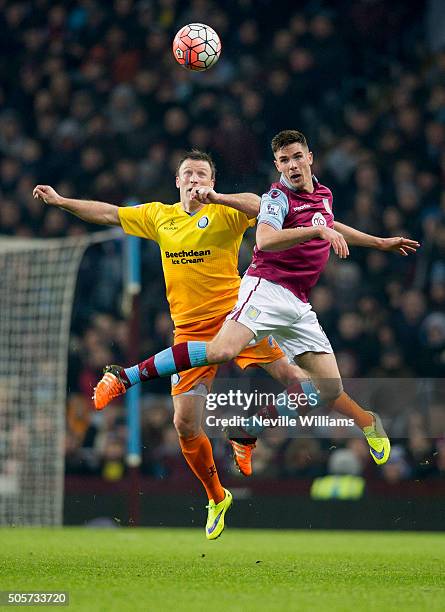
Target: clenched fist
x: 48, y: 194
x: 205, y: 195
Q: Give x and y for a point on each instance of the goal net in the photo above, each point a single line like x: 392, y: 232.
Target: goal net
x: 37, y: 282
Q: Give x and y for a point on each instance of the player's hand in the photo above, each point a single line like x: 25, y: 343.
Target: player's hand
x: 337, y: 241
x: 47, y: 194
x: 402, y: 246
x: 205, y: 195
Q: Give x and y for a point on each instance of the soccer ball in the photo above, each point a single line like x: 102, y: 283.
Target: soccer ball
x: 196, y: 46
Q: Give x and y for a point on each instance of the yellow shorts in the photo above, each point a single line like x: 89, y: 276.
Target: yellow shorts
x: 265, y: 351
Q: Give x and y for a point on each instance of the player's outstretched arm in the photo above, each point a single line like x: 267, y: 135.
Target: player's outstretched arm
x: 88, y: 210
x: 248, y: 203
x: 403, y: 246
x: 269, y: 238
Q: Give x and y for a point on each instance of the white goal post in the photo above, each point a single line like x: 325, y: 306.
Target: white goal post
x: 37, y: 283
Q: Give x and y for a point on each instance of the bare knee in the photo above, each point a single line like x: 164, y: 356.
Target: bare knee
x: 330, y: 390
x: 187, y: 426
x: 188, y: 413
x: 217, y: 353
x: 289, y: 374
x: 229, y: 342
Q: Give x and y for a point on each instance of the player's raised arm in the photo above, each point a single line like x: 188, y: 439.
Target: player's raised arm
x: 270, y: 235
x: 270, y: 239
x: 88, y: 210
x: 248, y: 203
x: 403, y: 246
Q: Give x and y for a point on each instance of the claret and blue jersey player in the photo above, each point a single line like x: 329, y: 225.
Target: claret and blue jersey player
x: 295, y: 233
x: 200, y: 232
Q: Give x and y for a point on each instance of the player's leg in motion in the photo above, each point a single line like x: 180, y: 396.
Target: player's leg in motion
x: 226, y: 345
x: 316, y: 373
x: 323, y: 371
x: 197, y: 451
x: 297, y: 381
x: 243, y: 440
x: 189, y: 402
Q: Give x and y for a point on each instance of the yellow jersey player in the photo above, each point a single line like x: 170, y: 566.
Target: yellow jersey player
x: 199, y: 238
x: 296, y: 213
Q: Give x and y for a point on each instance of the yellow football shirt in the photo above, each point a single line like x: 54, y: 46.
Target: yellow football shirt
x: 199, y: 254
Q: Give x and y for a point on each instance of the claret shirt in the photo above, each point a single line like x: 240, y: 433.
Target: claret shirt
x: 199, y: 254
x: 297, y: 268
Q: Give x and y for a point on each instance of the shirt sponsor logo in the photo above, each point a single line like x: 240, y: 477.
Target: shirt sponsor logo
x: 302, y: 207
x: 318, y: 219
x: 187, y: 257
x: 203, y: 222
x: 326, y: 206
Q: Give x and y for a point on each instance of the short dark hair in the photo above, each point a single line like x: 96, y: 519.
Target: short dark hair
x: 287, y: 137
x: 197, y: 155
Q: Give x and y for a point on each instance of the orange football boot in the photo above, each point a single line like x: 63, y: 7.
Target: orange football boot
x: 109, y: 387
x: 242, y: 456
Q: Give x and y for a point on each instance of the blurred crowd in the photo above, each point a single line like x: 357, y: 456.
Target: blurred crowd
x: 418, y: 445
x: 93, y: 103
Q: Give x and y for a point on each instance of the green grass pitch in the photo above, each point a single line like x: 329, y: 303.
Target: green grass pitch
x: 245, y: 570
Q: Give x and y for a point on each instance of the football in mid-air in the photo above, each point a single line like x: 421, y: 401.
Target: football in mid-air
x: 196, y: 46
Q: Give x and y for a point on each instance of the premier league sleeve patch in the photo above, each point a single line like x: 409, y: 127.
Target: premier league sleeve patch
x: 274, y: 208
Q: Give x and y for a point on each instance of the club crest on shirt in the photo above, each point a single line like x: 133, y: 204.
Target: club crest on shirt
x: 318, y: 219
x: 253, y: 313
x: 203, y: 222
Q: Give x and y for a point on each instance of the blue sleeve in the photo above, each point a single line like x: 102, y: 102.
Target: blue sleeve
x: 273, y: 208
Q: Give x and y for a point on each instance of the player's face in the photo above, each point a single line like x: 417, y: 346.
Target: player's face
x: 193, y: 173
x: 295, y: 161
